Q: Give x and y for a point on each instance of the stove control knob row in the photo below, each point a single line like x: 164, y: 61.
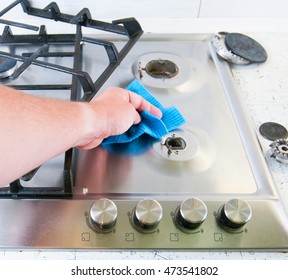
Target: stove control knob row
x: 234, y: 214
x: 103, y: 214
x: 147, y: 214
x: 191, y: 213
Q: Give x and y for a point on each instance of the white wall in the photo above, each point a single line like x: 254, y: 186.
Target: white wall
x: 173, y: 8
x: 111, y: 9
x: 174, y: 16
x: 244, y: 9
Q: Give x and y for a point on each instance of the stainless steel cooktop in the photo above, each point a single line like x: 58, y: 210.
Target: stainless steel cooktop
x: 209, y: 190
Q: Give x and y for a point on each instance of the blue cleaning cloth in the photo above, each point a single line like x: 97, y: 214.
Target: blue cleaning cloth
x: 151, y: 125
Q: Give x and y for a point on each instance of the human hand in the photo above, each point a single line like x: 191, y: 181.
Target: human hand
x: 112, y: 113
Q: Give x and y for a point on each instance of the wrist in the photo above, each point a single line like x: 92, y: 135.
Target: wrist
x: 88, y: 130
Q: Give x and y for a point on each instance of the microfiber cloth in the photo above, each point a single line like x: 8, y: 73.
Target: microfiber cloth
x: 151, y: 125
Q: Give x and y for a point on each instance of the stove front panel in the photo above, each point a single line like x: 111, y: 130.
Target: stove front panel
x: 65, y: 224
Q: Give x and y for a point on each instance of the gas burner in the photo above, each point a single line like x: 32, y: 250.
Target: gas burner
x: 7, y: 67
x: 218, y: 41
x: 161, y: 70
x: 273, y: 131
x: 174, y: 143
x: 245, y: 47
x: 238, y: 48
x: 186, y: 146
x: 177, y: 146
x: 279, y: 150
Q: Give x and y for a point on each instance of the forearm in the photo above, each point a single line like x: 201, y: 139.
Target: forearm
x: 35, y: 129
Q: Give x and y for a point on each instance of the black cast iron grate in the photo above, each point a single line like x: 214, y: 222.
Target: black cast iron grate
x: 128, y: 27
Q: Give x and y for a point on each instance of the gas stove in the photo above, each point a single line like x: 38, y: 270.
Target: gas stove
x: 204, y: 186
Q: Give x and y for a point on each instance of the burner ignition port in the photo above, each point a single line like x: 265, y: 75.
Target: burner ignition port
x: 174, y: 143
x: 161, y: 69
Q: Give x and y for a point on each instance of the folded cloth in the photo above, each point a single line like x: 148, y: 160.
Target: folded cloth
x: 155, y: 127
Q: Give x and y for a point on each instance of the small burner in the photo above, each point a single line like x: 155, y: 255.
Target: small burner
x: 190, y: 149
x: 245, y: 47
x: 177, y: 146
x: 7, y: 67
x: 161, y: 69
x: 174, y: 143
x: 279, y: 150
x: 273, y: 131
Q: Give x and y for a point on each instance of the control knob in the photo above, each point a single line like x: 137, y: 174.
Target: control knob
x: 234, y: 214
x: 191, y: 213
x: 147, y: 214
x: 103, y: 214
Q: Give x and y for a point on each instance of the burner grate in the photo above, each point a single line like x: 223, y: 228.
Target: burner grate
x: 128, y: 27
x: 81, y: 80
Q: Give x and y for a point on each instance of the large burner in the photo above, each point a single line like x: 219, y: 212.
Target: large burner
x: 161, y: 70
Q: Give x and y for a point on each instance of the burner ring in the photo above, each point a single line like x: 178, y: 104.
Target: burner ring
x: 7, y: 67
x: 279, y: 150
x: 218, y: 42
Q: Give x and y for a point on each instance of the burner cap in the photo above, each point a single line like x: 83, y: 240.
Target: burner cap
x: 7, y: 66
x: 273, y: 131
x: 245, y: 47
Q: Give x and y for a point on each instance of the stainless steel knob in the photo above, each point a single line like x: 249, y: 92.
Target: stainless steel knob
x: 103, y: 214
x: 191, y: 213
x: 147, y: 214
x: 234, y: 214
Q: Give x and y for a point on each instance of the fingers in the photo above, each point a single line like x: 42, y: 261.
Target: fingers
x: 137, y: 118
x: 141, y: 104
